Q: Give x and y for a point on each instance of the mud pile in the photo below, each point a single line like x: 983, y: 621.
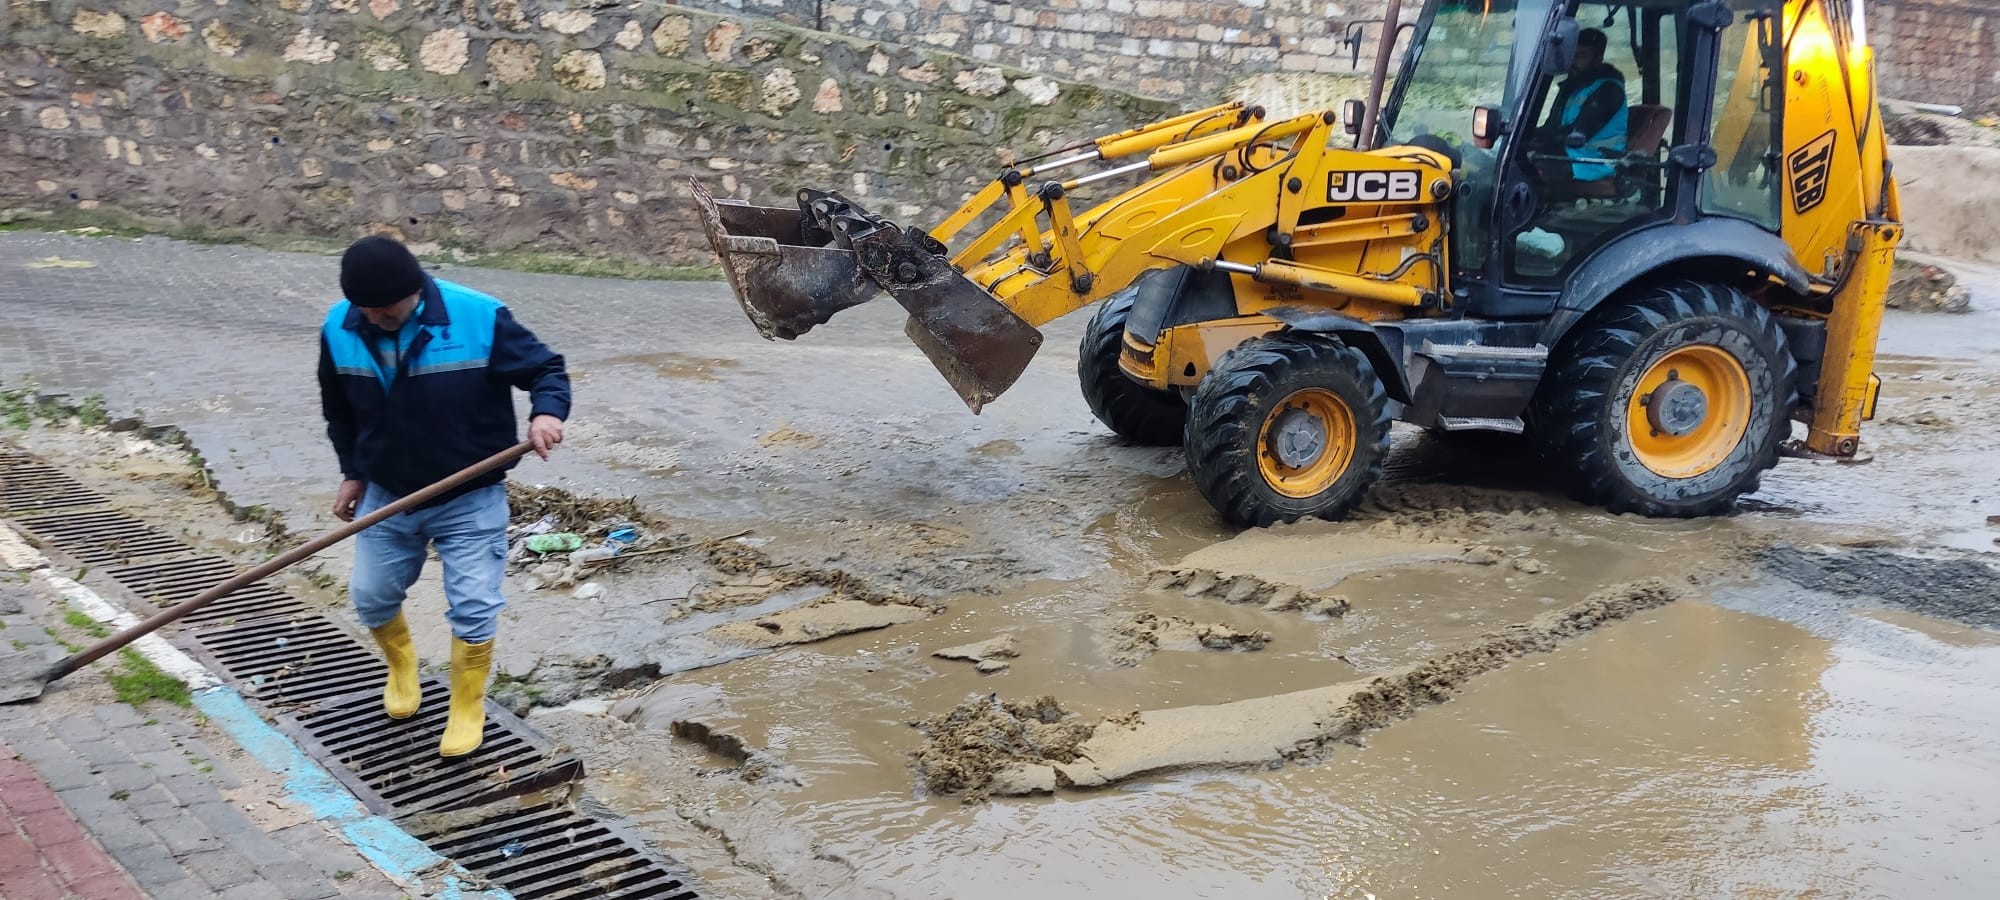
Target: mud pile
x: 1241, y: 589
x: 1301, y: 725
x: 1400, y: 694
x: 1146, y: 633
x: 969, y: 747
x: 1921, y: 287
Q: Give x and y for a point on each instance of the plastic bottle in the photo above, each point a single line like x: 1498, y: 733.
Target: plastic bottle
x: 592, y: 555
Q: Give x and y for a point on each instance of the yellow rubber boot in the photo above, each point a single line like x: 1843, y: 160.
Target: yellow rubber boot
x: 470, y: 664
x: 399, y: 695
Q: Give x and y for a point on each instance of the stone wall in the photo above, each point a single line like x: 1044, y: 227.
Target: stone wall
x: 494, y: 124
x: 1182, y: 49
x: 1938, y: 51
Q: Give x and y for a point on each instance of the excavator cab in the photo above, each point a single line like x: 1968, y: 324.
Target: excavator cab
x: 1650, y: 235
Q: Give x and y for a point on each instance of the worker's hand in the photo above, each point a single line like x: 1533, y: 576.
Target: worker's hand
x: 349, y: 497
x: 545, y: 431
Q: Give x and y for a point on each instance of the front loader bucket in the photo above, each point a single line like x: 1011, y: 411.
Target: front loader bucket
x: 978, y: 345
x: 793, y: 269
x: 786, y: 281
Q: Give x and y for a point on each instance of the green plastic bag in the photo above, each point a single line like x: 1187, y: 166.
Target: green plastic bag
x: 558, y: 542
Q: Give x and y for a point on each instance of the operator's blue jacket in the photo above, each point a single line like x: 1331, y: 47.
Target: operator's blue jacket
x: 411, y: 409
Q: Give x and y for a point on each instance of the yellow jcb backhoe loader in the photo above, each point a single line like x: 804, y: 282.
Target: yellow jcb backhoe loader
x: 1652, y: 292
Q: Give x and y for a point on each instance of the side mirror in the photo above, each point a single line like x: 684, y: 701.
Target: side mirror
x: 1486, y: 126
x: 1561, y: 47
x: 1351, y: 114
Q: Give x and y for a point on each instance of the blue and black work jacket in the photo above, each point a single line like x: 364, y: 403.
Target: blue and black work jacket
x: 1592, y: 104
x: 409, y: 409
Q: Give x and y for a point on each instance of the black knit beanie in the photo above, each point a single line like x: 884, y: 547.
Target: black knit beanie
x: 379, y: 271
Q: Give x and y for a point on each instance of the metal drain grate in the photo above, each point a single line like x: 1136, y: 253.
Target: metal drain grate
x: 394, y: 767
x: 555, y: 852
x: 170, y: 582
x: 98, y: 537
x: 29, y: 486
x: 303, y: 660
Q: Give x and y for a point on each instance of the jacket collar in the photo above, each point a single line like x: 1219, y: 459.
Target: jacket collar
x: 430, y: 311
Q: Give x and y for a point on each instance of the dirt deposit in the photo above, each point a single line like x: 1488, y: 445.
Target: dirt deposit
x: 1961, y: 588
x: 1142, y: 635
x: 1298, y: 725
x: 989, y: 655
x: 969, y: 747
x: 816, y: 621
x: 1239, y: 588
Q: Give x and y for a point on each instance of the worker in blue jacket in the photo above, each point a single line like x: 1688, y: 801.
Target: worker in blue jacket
x: 416, y: 378
x: 1587, y: 121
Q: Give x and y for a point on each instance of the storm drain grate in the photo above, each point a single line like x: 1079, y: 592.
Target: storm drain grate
x: 172, y: 581
x: 394, y: 767
x: 554, y: 852
x: 98, y: 537
x: 29, y: 486
x: 303, y: 660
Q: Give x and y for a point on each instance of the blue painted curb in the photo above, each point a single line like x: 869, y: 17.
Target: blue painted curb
x: 382, y: 842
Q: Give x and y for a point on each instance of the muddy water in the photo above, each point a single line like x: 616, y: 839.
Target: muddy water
x: 1695, y: 750
x: 1703, y: 748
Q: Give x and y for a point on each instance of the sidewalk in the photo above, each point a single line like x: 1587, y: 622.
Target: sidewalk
x: 104, y: 800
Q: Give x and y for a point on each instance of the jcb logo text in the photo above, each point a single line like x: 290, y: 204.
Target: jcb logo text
x: 1371, y: 187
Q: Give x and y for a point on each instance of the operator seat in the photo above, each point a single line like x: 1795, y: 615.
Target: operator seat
x: 1646, y: 127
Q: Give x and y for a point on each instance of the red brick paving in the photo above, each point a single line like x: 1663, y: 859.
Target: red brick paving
x: 44, y: 854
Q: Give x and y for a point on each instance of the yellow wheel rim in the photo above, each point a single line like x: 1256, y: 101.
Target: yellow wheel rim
x: 1689, y: 411
x: 1306, y: 443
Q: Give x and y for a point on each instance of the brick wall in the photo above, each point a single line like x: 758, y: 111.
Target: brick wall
x: 495, y: 124
x: 1938, y: 51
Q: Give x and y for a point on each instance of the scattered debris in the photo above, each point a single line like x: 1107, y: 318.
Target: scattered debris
x: 1922, y: 287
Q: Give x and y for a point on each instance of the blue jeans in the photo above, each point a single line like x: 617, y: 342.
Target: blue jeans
x: 471, y: 536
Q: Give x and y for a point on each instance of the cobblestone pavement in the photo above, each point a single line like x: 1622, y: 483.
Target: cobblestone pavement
x: 678, y: 401
x: 101, y: 795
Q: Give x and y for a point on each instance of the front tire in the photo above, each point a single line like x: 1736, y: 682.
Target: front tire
x: 1286, y: 427
x: 1672, y: 403
x: 1131, y: 410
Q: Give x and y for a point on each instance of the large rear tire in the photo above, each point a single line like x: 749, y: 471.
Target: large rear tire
x: 1131, y: 410
x: 1672, y: 402
x: 1286, y: 427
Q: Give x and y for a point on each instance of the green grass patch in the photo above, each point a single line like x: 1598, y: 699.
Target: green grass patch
x: 86, y: 624
x: 139, y: 681
x: 91, y: 412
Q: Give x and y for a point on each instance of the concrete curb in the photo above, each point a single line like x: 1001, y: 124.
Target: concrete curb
x: 404, y: 859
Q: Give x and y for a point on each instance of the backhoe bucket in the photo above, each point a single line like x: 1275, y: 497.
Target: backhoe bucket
x: 793, y: 269
x: 786, y: 280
